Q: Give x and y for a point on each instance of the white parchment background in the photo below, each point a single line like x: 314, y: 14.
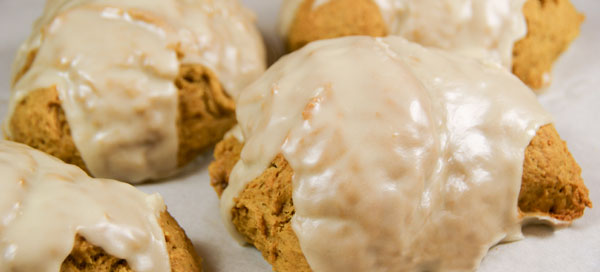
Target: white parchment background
x: 573, y: 99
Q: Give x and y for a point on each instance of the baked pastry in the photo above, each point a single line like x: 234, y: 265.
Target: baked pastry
x: 57, y: 218
x: 376, y: 154
x: 526, y: 36
x: 132, y: 90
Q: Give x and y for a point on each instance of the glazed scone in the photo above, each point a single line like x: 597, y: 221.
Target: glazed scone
x: 526, y: 36
x: 140, y: 106
x: 551, y: 187
x: 182, y: 255
x: 269, y: 193
x: 88, y: 224
x: 205, y: 113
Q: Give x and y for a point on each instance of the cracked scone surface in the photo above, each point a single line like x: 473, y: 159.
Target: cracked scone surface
x: 205, y: 113
x: 86, y: 257
x: 552, y: 26
x: 263, y: 210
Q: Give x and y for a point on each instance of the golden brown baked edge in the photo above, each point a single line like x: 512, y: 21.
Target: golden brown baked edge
x: 551, y: 185
x: 335, y: 19
x: 86, y: 257
x: 205, y: 114
x: 552, y: 25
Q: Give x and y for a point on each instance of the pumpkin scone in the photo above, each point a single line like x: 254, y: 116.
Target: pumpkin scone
x: 369, y: 154
x: 132, y: 90
x: 57, y: 218
x: 526, y: 36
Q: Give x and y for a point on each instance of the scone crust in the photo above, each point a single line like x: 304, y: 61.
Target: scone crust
x: 335, y: 19
x: 205, y: 114
x: 552, y: 25
x: 40, y: 122
x: 552, y: 183
x: 86, y: 257
x: 264, y: 209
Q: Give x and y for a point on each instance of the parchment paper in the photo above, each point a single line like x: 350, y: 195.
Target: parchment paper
x: 573, y: 99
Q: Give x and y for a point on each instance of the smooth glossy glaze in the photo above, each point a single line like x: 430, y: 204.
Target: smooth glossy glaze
x: 44, y: 203
x: 481, y: 28
x: 405, y: 158
x: 114, y: 63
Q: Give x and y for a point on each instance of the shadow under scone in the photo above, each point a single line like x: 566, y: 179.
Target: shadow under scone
x: 205, y: 114
x: 551, y: 186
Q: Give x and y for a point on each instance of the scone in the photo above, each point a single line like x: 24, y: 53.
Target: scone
x: 132, y: 90
x: 526, y: 36
x: 376, y: 154
x: 57, y: 218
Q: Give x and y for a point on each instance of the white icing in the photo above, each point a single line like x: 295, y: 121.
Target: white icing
x: 114, y: 63
x: 235, y: 132
x: 287, y: 15
x: 44, y: 203
x: 405, y: 158
x: 482, y: 28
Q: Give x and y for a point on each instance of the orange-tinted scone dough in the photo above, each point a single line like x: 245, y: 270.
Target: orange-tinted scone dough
x: 552, y: 183
x: 552, y: 25
x: 205, y: 113
x: 86, y: 257
x: 263, y: 211
x: 551, y: 186
x: 334, y: 19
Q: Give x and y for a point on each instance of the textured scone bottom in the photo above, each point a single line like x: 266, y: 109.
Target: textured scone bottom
x: 122, y: 97
x: 205, y: 114
x: 109, y: 214
x: 263, y: 211
x: 497, y: 32
x: 442, y: 156
x: 86, y: 257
